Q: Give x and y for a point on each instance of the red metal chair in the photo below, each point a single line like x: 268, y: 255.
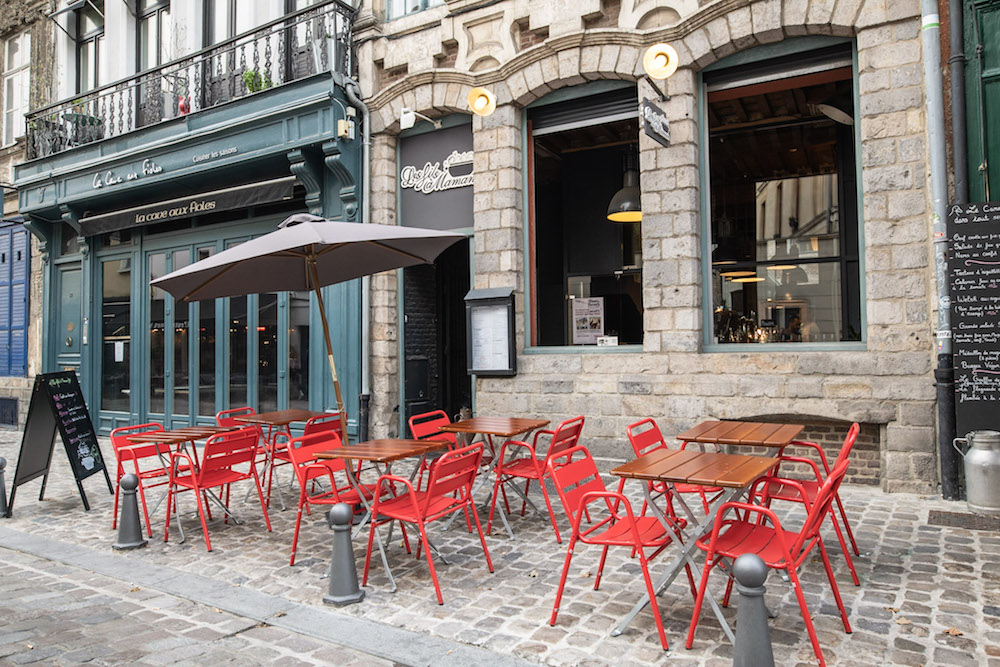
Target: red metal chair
x: 579, y: 484
x: 139, y: 454
x: 425, y: 427
x: 779, y: 548
x: 645, y: 437
x: 219, y: 461
x: 565, y: 436
x: 271, y: 454
x: 308, y: 469
x: 794, y: 493
x: 327, y: 422
x: 449, y: 490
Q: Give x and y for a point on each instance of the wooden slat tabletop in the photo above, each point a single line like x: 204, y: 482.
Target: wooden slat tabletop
x: 742, y: 433
x: 502, y: 426
x: 705, y: 468
x: 385, y: 450
x: 281, y: 417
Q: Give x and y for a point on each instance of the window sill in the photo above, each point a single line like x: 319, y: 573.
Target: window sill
x: 846, y: 346
x: 584, y: 349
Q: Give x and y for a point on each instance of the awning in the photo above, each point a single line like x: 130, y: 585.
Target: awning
x: 184, y: 207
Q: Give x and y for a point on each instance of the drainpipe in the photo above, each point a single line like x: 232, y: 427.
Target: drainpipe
x: 944, y: 374
x: 960, y: 155
x: 353, y: 90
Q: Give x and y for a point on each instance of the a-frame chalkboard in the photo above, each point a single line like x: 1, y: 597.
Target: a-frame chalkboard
x: 57, y: 406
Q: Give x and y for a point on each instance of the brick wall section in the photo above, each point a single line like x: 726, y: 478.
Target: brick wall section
x: 887, y: 386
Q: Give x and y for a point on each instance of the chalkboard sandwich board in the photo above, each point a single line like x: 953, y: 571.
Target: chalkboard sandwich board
x: 974, y: 270
x: 57, y: 406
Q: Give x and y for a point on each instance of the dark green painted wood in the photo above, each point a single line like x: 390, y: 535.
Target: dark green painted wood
x: 982, y: 49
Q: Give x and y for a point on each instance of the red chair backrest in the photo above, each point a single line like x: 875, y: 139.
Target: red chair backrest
x: 119, y: 435
x: 228, y: 417
x: 225, y: 450
x: 303, y: 450
x: 425, y: 427
x: 645, y: 437
x: 828, y: 491
x: 567, y: 435
x: 574, y: 473
x: 325, y: 423
x: 453, y: 471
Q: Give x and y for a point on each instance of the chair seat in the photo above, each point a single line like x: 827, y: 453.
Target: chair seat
x: 347, y: 494
x: 524, y: 468
x: 651, y: 533
x: 696, y: 488
x: 401, y: 507
x: 778, y: 491
x: 212, y: 478
x: 740, y: 537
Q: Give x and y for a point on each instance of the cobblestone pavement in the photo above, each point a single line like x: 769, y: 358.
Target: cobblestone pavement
x: 928, y: 594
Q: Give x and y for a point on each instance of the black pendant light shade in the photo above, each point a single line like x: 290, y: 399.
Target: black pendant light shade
x: 626, y: 206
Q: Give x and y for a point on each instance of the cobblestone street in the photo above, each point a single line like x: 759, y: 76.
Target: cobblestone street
x: 929, y: 594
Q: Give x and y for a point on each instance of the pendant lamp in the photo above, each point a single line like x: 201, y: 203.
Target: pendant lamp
x: 626, y: 206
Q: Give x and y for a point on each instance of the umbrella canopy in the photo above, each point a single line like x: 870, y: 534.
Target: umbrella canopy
x: 307, y: 252
x: 281, y: 261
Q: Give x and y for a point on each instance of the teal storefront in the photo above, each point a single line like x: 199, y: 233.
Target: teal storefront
x: 114, y: 214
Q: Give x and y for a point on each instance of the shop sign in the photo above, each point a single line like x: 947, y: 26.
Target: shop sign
x: 111, y: 177
x: 436, y: 178
x: 654, y: 122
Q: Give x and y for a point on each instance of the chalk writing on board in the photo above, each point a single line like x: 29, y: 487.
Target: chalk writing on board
x: 974, y: 267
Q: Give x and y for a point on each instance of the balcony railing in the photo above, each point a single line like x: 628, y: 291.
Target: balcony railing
x: 300, y: 44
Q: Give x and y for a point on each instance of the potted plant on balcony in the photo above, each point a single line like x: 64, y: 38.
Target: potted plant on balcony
x: 255, y: 81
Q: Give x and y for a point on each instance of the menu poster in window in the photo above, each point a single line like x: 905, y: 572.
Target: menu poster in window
x: 57, y: 406
x: 974, y: 268
x: 588, y: 320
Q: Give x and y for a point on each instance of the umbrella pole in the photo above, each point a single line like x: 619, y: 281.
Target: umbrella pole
x: 314, y: 277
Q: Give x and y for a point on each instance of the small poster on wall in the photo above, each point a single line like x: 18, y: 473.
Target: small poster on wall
x: 588, y: 320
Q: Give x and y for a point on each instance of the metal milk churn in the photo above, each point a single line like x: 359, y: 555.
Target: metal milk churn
x: 982, y: 470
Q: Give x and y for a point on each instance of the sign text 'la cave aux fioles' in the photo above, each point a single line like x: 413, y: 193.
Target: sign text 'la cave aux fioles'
x: 974, y: 269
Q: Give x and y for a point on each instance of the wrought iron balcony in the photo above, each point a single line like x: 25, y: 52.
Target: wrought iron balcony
x: 300, y: 44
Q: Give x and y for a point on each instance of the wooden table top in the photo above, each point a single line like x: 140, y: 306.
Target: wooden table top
x: 502, y: 426
x: 178, y: 436
x: 742, y: 433
x: 384, y: 451
x: 706, y: 468
x: 281, y: 417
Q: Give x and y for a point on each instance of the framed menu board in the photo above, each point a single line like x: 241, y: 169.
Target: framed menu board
x: 57, y: 407
x: 489, y: 320
x: 974, y: 270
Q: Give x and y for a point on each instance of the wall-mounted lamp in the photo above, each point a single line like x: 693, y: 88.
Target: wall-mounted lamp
x: 482, y: 102
x: 626, y: 206
x: 659, y: 62
x: 407, y: 117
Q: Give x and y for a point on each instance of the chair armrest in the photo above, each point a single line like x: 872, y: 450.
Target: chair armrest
x: 808, y: 445
x: 543, y: 431
x: 515, y: 443
x: 321, y: 469
x: 781, y: 480
x: 808, y: 462
x: 180, y: 455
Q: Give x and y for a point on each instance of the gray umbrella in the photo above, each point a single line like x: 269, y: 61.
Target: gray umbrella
x: 307, y: 252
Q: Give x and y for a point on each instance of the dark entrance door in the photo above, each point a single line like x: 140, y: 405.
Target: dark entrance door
x: 434, y: 341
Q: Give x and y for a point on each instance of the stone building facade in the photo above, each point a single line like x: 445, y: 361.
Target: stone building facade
x: 525, y: 51
x: 17, y: 19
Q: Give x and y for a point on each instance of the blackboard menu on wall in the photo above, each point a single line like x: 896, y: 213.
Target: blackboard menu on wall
x: 974, y: 268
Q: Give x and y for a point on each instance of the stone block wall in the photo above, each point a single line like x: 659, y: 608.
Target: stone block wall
x: 886, y: 385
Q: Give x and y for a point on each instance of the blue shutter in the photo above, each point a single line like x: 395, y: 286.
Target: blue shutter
x: 19, y: 303
x: 5, y: 264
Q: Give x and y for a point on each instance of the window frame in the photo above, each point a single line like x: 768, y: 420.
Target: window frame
x: 155, y: 10
x: 422, y: 5
x: 21, y: 70
x: 754, y: 55
x: 527, y: 227
x: 95, y: 37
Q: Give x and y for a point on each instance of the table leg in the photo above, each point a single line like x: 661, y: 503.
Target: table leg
x: 684, y: 557
x: 378, y: 536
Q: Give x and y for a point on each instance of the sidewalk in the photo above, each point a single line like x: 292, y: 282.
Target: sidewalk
x: 918, y: 582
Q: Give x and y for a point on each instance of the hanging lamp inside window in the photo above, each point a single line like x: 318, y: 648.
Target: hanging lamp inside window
x: 626, y: 206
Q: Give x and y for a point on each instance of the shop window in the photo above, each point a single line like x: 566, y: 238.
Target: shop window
x: 15, y: 85
x: 397, y: 8
x: 585, y: 271
x: 783, y: 189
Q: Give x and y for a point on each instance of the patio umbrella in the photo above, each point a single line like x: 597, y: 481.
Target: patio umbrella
x: 307, y: 252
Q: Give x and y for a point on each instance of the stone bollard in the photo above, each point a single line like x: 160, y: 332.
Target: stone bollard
x: 129, y: 528
x: 343, y: 572
x: 753, y: 644
x: 3, y: 488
